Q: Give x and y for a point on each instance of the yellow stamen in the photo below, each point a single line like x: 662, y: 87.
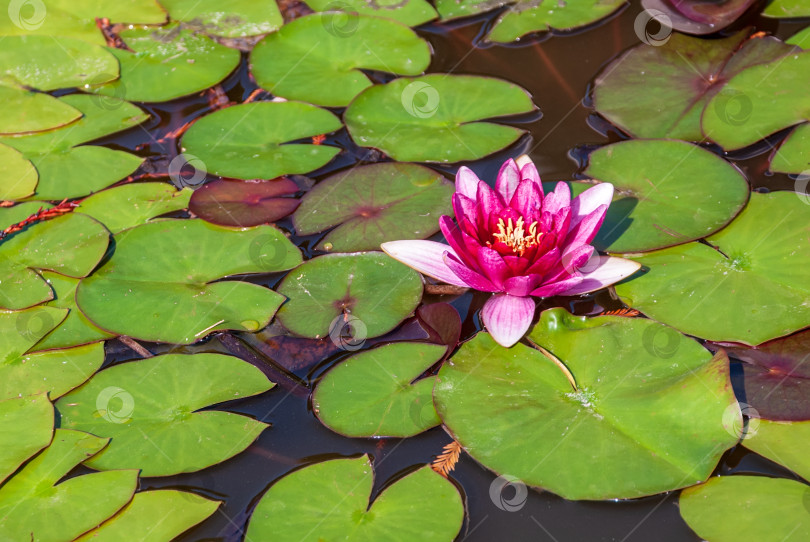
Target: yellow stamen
x: 515, y: 237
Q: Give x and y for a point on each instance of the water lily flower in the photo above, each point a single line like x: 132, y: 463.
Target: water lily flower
x: 518, y: 243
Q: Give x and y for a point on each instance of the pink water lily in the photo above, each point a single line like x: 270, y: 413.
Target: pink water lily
x: 517, y: 242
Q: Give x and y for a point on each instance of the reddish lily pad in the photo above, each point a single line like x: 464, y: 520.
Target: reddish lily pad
x: 443, y: 320
x: 660, y: 92
x: 697, y: 18
x: 373, y: 204
x: 233, y: 202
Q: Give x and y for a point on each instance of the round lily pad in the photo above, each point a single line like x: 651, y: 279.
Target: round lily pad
x: 667, y: 193
x: 330, y: 501
x: 432, y: 118
x: 131, y: 205
x: 657, y: 419
x: 748, y: 509
x: 252, y: 141
x: 149, y: 410
x: 373, y: 393
x: 781, y: 442
x: 167, y: 63
x: 343, y: 17
x: 373, y: 204
x: 27, y: 426
x: 232, y: 202
x: 160, y: 284
x: 308, y: 60
x: 28, y: 111
x: 53, y: 62
x: 746, y: 285
x: 153, y: 516
x: 793, y: 155
x: 230, y: 19
x: 371, y: 289
x: 18, y: 177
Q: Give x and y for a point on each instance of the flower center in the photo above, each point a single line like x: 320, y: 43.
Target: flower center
x: 515, y: 237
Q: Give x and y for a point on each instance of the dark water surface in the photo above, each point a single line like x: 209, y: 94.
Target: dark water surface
x: 558, y: 72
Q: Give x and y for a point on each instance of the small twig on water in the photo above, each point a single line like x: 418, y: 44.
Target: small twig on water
x: 135, y: 346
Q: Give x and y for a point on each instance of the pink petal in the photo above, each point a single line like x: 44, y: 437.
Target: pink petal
x: 464, y: 207
x: 528, y: 172
x: 559, y: 199
x: 574, y: 259
x: 507, y: 181
x: 427, y: 257
x: 606, y: 270
x: 507, y: 317
x: 590, y: 200
x: 587, y: 227
x: 489, y: 203
x: 468, y: 276
x: 493, y: 266
x: 465, y: 246
x: 522, y: 286
x: 527, y: 200
x: 557, y: 288
x: 466, y: 182
x: 543, y: 264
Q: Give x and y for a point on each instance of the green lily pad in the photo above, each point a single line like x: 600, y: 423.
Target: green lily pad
x: 158, y: 285
x: 27, y: 426
x: 657, y: 419
x: 343, y: 19
x: 748, y: 290
x: 793, y: 155
x: 748, y: 509
x: 36, y: 505
x: 168, y: 63
x: 528, y: 16
x: 20, y: 212
x: 308, y: 61
x: 801, y: 38
x: 77, y: 18
x: 27, y: 111
x: 369, y: 291
x: 774, y: 96
x: 373, y: 204
x: 782, y: 442
x: 667, y: 193
x: 230, y: 19
x: 67, y: 170
x: 149, y: 409
x: 71, y: 245
x: 787, y: 9
x: 131, y: 205
x: 661, y: 91
x: 154, y: 516
x: 17, y: 175
x: 330, y: 501
x: 372, y: 394
x: 51, y: 62
x: 75, y: 329
x: 251, y: 141
x: 431, y: 118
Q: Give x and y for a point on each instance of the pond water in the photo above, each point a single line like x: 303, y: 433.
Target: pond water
x: 558, y: 71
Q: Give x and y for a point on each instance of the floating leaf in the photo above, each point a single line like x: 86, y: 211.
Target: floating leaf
x: 158, y: 285
x: 657, y: 92
x: 153, y: 516
x: 527, y: 16
x: 697, y: 18
x: 71, y: 245
x: 443, y: 319
x: 230, y: 202
x: 131, y: 205
x: 149, y: 409
x: 67, y: 170
x: 26, y: 424
x: 768, y: 98
x: 781, y: 442
x: 18, y: 177
x: 793, y: 155
x: 230, y: 19
x: 747, y: 509
x: 330, y: 501
x: 28, y: 111
x: 343, y: 18
x: 699, y: 289
x: 801, y: 38
x: 51, y: 62
x: 667, y: 193
x: 431, y: 118
x: 260, y: 148
x: 787, y: 9
x: 370, y: 292
x: 373, y: 204
x: 656, y: 416
x: 373, y: 393
x: 36, y: 505
x: 309, y: 60
x: 168, y: 63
